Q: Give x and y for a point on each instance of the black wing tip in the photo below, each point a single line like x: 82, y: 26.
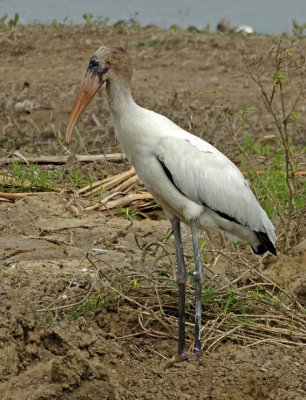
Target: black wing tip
x: 265, y: 244
x: 169, y: 175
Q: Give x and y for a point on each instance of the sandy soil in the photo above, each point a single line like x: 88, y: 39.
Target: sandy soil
x: 43, y: 244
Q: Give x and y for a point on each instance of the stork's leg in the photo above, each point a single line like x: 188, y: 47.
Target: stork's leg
x: 181, y: 280
x: 197, y: 274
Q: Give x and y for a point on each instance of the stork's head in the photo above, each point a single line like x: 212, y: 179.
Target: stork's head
x: 108, y: 64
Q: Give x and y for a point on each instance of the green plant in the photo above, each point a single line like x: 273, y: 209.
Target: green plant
x: 283, y: 189
x: 193, y: 29
x: 78, y: 178
x: 249, y: 144
x: 278, y: 77
x: 98, y: 22
x: 166, y: 237
x: 10, y: 23
x: 273, y: 178
x: 208, y: 295
x: 57, y: 24
x: 244, y: 113
x: 47, y: 321
x: 99, y: 300
x: 128, y: 211
x: 206, y: 29
x: 22, y: 177
x: 31, y: 177
x: 121, y: 26
x: 298, y: 30
x: 230, y: 302
x: 134, y: 283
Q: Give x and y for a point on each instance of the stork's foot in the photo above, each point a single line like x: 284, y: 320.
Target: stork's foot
x: 197, y: 354
x: 177, y: 359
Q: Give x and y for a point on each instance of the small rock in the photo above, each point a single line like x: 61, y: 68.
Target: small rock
x: 25, y: 106
x: 193, y: 383
x: 223, y: 25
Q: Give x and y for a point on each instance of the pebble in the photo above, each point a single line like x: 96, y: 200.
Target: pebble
x: 193, y: 383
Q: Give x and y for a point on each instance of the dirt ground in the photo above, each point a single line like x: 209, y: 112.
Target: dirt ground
x: 43, y: 244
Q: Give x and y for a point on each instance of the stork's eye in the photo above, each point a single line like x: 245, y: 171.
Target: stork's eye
x: 94, y: 62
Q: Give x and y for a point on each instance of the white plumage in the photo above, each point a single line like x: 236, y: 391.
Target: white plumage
x: 207, y: 180
x: 192, y: 180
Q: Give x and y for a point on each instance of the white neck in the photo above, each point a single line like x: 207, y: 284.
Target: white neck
x: 119, y: 97
x: 124, y: 112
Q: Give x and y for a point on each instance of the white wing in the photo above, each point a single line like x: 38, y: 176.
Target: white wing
x: 207, y: 177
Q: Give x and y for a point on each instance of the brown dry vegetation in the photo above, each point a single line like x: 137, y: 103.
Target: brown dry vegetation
x: 80, y: 323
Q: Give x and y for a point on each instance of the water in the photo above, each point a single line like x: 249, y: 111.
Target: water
x: 265, y: 16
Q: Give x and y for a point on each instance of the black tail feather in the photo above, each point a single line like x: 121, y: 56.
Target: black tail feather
x: 265, y: 244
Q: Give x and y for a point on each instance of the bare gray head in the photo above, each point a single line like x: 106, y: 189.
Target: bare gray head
x: 111, y: 64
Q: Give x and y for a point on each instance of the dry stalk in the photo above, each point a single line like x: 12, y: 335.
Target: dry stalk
x: 120, y: 188
x: 116, y: 157
x: 12, y: 196
x: 231, y: 130
x: 282, y: 62
x: 121, y: 202
x: 106, y: 184
x: 263, y: 318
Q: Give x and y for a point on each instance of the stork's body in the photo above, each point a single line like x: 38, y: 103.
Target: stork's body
x: 191, y: 179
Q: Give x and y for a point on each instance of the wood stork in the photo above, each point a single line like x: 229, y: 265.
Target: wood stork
x: 188, y: 177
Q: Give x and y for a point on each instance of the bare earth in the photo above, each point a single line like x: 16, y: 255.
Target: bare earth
x: 43, y: 244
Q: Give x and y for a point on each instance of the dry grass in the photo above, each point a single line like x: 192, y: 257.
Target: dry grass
x: 249, y: 310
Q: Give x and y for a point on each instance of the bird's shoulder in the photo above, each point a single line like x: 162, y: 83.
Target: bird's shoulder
x: 204, y: 174
x: 169, y: 141
x: 195, y: 151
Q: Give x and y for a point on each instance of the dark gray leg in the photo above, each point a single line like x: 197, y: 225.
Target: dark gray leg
x: 197, y: 274
x: 181, y: 280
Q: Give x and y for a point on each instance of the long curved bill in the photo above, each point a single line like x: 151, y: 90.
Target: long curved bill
x: 89, y: 87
